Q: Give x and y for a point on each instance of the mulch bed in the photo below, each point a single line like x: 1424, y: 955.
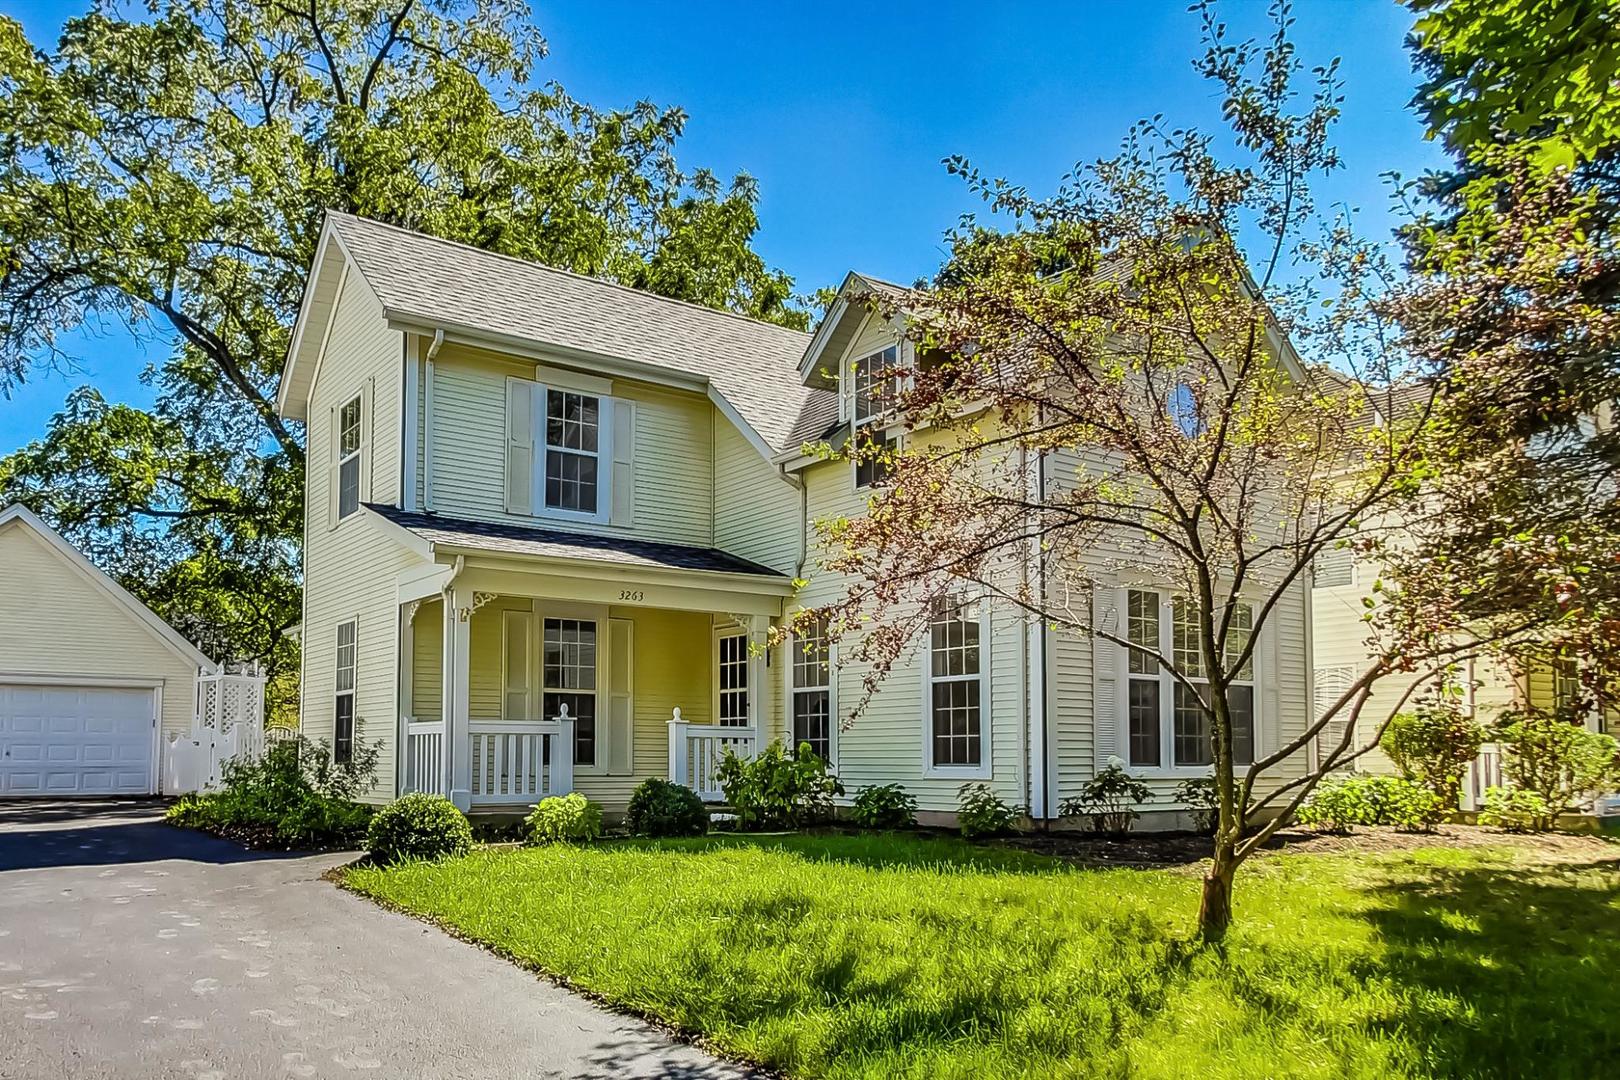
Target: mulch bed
x: 1158, y: 851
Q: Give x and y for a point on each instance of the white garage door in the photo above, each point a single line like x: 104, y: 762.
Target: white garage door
x: 75, y: 740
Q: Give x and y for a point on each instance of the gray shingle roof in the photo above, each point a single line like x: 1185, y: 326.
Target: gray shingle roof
x: 752, y: 364
x: 559, y: 544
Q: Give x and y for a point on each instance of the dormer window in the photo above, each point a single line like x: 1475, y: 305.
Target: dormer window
x: 875, y: 384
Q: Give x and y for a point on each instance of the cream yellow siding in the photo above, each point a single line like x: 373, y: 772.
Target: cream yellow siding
x: 672, y: 668
x: 349, y: 569
x: 674, y: 463
x: 55, y: 620
x: 757, y: 513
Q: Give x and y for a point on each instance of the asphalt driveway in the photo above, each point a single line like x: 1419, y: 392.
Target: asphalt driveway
x: 132, y: 949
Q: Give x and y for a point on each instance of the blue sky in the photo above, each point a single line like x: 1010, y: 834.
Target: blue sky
x: 843, y: 113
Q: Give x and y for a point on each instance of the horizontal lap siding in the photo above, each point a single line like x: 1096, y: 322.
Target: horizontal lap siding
x: 55, y: 621
x: 756, y: 511
x: 349, y: 571
x: 885, y: 744
x: 674, y: 465
x: 1069, y: 678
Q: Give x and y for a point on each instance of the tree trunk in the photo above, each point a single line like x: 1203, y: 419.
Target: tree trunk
x: 1215, y: 909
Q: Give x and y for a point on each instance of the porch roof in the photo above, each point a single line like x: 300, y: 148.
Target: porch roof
x: 463, y: 535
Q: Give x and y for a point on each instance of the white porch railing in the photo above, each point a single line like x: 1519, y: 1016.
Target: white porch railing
x: 424, y: 756
x: 1484, y: 772
x: 696, y: 751
x: 521, y: 761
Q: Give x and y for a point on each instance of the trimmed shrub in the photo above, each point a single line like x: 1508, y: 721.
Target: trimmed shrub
x: 889, y: 806
x: 1202, y: 801
x: 418, y: 826
x: 568, y: 818
x: 1563, y: 763
x: 1516, y: 810
x: 1372, y: 800
x: 293, y: 796
x: 1109, y: 799
x: 1432, y: 747
x: 777, y: 790
x: 980, y: 812
x: 660, y: 808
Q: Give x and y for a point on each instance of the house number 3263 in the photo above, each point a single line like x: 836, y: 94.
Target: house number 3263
x: 633, y: 595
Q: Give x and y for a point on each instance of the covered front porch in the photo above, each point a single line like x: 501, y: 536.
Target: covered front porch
x: 527, y: 675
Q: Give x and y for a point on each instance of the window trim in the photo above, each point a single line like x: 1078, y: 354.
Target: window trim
x: 985, y: 768
x: 723, y: 631
x: 879, y: 425
x: 357, y: 455
x: 829, y: 665
x: 1167, y: 768
x: 561, y: 613
x: 542, y: 447
x: 352, y: 623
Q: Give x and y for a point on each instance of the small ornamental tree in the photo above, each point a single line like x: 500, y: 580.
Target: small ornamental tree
x: 1100, y: 392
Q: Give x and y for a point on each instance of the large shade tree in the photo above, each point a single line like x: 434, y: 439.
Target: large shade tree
x: 1513, y: 301
x: 164, y: 169
x: 1105, y: 390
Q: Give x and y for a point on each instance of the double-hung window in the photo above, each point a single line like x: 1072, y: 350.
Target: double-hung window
x: 1566, y: 685
x: 343, y: 696
x: 570, y: 450
x: 956, y: 691
x: 731, y: 659
x: 1167, y: 723
x: 573, y: 451
x: 568, y: 678
x: 874, y: 383
x: 812, y: 690
x: 349, y: 449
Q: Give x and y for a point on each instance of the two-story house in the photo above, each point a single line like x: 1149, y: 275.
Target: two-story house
x: 550, y: 519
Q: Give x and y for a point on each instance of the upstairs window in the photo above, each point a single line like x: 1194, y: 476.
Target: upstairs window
x: 1166, y: 723
x: 349, y: 449
x: 573, y: 430
x: 875, y: 383
x: 570, y: 452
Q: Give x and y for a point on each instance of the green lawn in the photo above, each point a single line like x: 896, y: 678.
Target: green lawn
x: 884, y: 956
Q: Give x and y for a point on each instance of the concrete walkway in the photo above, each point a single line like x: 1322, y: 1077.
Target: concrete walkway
x: 131, y: 949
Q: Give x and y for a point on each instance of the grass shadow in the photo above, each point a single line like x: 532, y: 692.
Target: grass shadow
x: 1505, y: 971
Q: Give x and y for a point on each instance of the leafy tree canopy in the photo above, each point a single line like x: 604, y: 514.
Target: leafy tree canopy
x: 167, y: 167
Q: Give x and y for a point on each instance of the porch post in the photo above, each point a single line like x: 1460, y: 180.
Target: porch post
x: 458, y: 602
x: 758, y: 627
x: 407, y: 696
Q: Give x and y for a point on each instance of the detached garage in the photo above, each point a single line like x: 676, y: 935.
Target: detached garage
x: 90, y: 678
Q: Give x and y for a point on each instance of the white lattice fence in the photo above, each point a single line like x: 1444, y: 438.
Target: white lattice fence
x: 228, y: 725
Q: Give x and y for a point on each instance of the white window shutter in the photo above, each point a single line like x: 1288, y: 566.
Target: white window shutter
x: 334, y: 454
x: 1107, y: 696
x: 623, y: 482
x: 1268, y: 669
x: 517, y: 682
x: 621, y: 753
x: 520, y: 446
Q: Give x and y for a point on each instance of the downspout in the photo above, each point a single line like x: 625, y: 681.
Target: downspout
x: 427, y: 420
